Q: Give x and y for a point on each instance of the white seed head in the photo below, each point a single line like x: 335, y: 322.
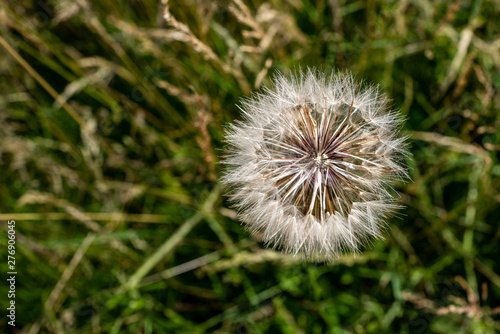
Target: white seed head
x: 311, y: 164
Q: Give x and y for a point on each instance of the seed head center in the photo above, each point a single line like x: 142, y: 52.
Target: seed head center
x: 322, y: 160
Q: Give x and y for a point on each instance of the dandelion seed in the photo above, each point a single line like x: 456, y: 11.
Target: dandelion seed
x: 312, y: 163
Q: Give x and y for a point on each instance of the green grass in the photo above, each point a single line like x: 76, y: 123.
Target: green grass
x: 112, y: 121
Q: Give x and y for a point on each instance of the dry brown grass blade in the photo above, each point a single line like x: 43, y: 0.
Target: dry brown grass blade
x: 56, y: 298
x: 72, y: 210
x: 189, y: 38
x: 454, y: 69
x: 455, y: 144
x: 41, y: 81
x: 93, y: 216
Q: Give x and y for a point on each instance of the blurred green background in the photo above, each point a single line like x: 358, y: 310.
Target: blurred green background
x: 112, y: 117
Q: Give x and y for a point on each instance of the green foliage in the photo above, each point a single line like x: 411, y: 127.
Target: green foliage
x: 112, y: 121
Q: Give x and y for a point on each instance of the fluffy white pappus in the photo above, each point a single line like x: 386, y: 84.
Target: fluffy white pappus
x: 312, y: 163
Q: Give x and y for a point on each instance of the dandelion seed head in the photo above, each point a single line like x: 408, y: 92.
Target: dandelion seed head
x: 312, y: 163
